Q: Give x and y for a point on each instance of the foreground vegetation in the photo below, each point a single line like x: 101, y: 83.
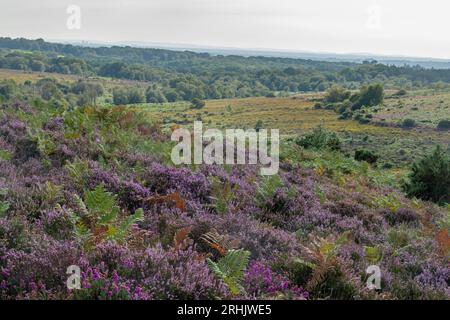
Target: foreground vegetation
x: 89, y: 183
x: 93, y: 187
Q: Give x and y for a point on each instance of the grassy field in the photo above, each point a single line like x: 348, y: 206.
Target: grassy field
x: 20, y: 76
x: 427, y: 108
x: 296, y: 115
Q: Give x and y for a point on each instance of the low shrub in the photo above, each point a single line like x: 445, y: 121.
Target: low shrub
x: 366, y: 155
x: 320, y: 138
x: 430, y: 177
x: 408, y: 123
x: 443, y: 125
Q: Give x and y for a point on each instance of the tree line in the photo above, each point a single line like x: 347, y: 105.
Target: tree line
x: 185, y: 75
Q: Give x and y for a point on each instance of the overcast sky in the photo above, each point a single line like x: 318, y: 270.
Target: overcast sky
x: 392, y: 27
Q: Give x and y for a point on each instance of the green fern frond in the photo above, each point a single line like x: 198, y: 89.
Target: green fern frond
x: 4, y: 206
x: 101, y: 204
x: 81, y: 206
x: 230, y: 269
x: 267, y: 188
x: 77, y: 170
x: 102, y: 213
x: 128, y: 222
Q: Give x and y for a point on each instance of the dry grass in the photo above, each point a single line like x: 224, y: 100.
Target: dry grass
x: 22, y: 76
x: 298, y: 116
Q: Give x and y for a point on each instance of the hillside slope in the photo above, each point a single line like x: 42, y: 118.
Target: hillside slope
x: 93, y: 187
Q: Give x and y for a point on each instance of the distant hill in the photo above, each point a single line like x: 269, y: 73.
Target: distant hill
x: 425, y: 62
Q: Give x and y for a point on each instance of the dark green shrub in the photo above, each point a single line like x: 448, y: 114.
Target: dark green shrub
x: 366, y: 155
x: 346, y: 115
x: 363, y: 121
x: 408, y: 123
x: 443, y: 125
x: 430, y: 178
x: 400, y: 93
x: 7, y: 89
x: 128, y: 96
x: 320, y: 138
x: 155, y: 95
x: 259, y: 125
x: 197, y: 103
x: 368, y: 96
x: 337, y: 94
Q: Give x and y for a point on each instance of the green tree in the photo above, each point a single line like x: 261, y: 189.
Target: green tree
x: 337, y: 94
x: 368, y: 96
x: 430, y: 178
x: 120, y: 96
x: 155, y: 95
x: 7, y: 88
x: 198, y: 103
x: 135, y: 95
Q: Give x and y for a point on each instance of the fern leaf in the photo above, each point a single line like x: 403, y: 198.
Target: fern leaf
x: 4, y: 206
x: 81, y: 206
x: 230, y: 269
x: 128, y: 222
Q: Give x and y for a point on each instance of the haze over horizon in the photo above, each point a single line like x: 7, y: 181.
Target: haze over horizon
x: 379, y: 27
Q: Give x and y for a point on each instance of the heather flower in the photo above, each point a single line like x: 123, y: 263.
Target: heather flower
x: 176, y: 274
x: 261, y: 282
x: 165, y: 180
x: 45, y: 261
x: 101, y: 285
x: 402, y: 215
x: 57, y: 223
x: 434, y: 280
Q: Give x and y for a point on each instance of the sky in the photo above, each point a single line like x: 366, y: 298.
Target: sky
x: 415, y: 28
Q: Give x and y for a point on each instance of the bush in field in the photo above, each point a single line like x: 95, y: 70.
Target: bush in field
x: 408, y: 123
x: 320, y: 138
x: 337, y: 94
x: 368, y: 96
x: 259, y: 125
x: 88, y: 92
x: 400, y: 93
x: 443, y: 125
x: 155, y: 95
x: 366, y: 155
x: 198, y: 103
x: 128, y: 96
x: 430, y: 177
x: 344, y: 106
x: 7, y: 89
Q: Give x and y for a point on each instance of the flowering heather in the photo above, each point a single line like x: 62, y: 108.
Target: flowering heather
x: 260, y: 281
x: 306, y: 235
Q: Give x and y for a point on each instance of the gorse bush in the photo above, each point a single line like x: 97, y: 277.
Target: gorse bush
x: 400, y: 93
x: 430, y: 177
